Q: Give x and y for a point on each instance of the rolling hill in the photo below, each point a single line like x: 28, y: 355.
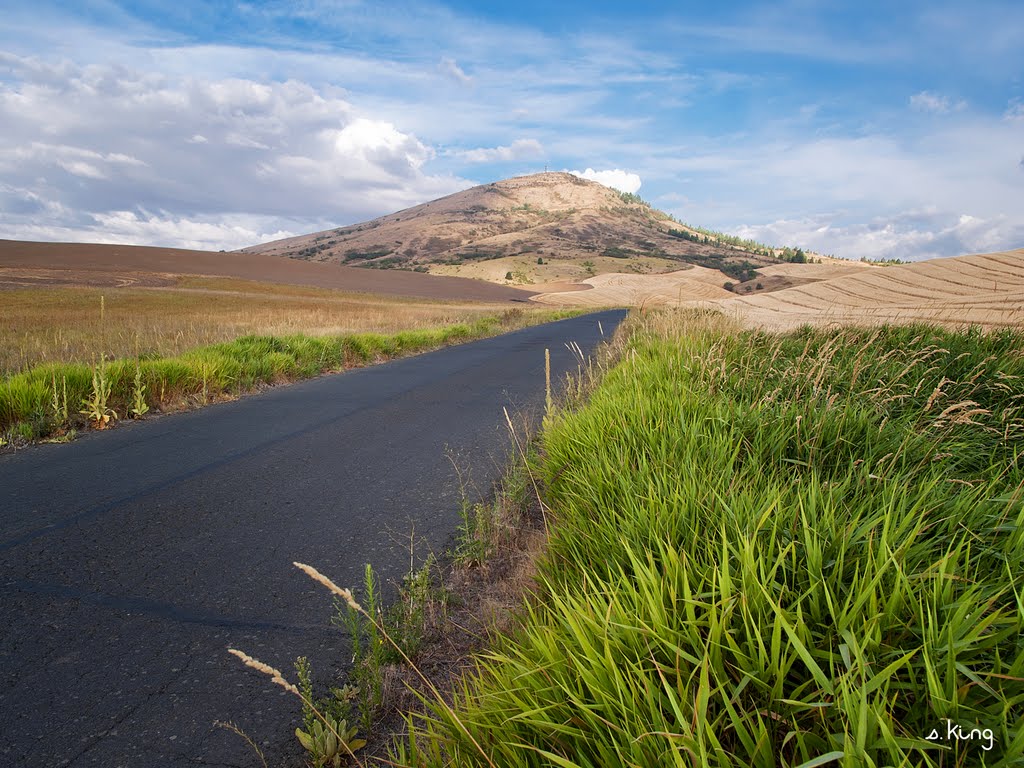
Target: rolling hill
x: 499, y: 231
x: 984, y: 289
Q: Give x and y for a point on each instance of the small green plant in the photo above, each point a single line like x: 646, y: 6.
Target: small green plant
x: 418, y: 596
x: 540, y: 259
x: 474, y: 546
x: 96, y: 406
x: 305, y: 674
x: 139, y: 405
x: 329, y: 741
x: 59, y: 400
x: 369, y: 653
x: 508, y: 275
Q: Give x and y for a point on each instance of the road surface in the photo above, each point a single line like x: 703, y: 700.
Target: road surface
x: 130, y: 560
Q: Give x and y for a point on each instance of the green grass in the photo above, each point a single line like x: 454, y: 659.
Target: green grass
x: 770, y: 551
x: 210, y: 372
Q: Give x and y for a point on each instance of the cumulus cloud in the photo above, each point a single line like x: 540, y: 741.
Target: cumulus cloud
x: 373, y: 145
x: 520, y: 149
x: 448, y: 67
x: 911, y: 236
x: 927, y: 101
x: 616, y: 179
x: 99, y: 147
x: 141, y: 228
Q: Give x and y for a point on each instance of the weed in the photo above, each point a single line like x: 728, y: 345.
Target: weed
x: 59, y: 400
x: 248, y: 739
x: 139, y: 407
x: 329, y: 741
x: 369, y: 653
x: 419, y: 596
x: 96, y: 407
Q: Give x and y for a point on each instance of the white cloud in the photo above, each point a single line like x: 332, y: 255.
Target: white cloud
x: 927, y: 101
x: 143, y: 228
x: 447, y: 66
x: 910, y: 236
x: 81, y: 168
x: 238, y: 140
x: 374, y: 145
x: 194, y: 149
x: 616, y: 179
x: 520, y: 149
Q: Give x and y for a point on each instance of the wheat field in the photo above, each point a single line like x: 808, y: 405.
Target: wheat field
x: 82, y: 324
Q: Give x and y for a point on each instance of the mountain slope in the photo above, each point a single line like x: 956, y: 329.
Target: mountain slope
x: 555, y: 217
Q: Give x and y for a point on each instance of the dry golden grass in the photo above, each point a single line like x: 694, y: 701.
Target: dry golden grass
x: 670, y: 289
x: 65, y: 324
x: 824, y: 271
x: 985, y: 290
x: 527, y: 273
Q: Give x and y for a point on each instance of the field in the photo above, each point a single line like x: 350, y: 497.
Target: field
x: 986, y: 290
x: 31, y: 263
x: 554, y: 274
x: 72, y: 356
x: 78, y: 324
x: 616, y: 289
x: 769, y: 550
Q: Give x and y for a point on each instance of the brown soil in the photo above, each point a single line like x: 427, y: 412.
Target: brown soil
x: 25, y: 263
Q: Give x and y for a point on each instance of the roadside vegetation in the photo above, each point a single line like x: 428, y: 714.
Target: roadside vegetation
x: 768, y: 550
x: 106, y: 380
x: 67, y: 324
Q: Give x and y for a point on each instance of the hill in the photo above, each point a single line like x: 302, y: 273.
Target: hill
x: 498, y: 232
x: 982, y: 289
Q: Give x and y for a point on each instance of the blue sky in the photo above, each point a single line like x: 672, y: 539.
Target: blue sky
x: 859, y: 129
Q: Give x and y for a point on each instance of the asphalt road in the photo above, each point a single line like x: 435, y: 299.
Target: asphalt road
x: 130, y: 560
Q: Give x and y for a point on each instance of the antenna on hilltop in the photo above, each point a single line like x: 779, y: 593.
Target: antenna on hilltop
x: 545, y: 167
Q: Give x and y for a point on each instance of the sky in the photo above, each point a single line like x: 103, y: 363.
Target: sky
x: 864, y: 130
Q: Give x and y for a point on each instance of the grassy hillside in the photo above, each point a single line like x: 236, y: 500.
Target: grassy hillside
x: 768, y: 550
